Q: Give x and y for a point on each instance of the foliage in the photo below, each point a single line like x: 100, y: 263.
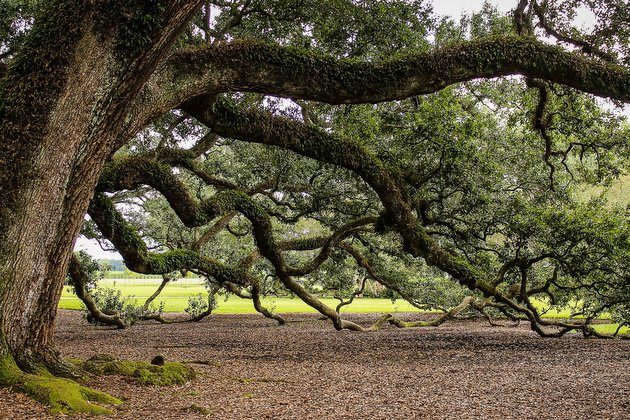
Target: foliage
x: 93, y: 270
x: 111, y: 300
x: 198, y: 304
x: 484, y: 183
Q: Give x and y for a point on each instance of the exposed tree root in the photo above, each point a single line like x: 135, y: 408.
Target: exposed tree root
x: 169, y: 373
x: 10, y: 373
x: 61, y: 395
x: 52, y: 362
x: 66, y: 396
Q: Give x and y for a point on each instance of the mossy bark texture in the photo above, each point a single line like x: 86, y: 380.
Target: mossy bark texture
x: 65, y: 100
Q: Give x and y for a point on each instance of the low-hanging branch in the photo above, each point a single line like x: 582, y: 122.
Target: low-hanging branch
x: 264, y: 128
x: 166, y: 279
x: 231, y: 279
x: 79, y: 282
x: 132, y: 172
x: 357, y: 292
x: 466, y: 303
x: 259, y: 127
x: 325, y: 244
x: 194, y: 213
x: 137, y: 257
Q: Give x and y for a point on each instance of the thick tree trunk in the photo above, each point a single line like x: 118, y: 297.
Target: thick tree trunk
x: 48, y: 210
x: 65, y: 104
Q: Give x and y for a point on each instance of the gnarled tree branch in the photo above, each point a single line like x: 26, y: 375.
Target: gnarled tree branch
x: 301, y: 74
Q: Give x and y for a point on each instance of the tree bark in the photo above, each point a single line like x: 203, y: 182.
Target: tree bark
x: 96, y: 315
x: 66, y: 101
x: 250, y: 66
x: 466, y: 303
x: 47, y: 210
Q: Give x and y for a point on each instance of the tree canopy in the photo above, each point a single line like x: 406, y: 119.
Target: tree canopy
x: 478, y: 183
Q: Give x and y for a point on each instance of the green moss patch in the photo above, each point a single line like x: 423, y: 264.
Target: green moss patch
x: 9, y: 371
x: 66, y: 396
x: 170, y: 373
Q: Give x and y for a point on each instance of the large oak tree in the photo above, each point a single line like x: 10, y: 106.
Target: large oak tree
x: 78, y: 79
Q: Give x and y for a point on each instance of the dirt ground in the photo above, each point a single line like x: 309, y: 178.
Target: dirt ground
x: 257, y: 370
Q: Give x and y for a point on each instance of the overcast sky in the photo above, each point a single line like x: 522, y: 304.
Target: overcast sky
x: 456, y: 7
x: 442, y: 7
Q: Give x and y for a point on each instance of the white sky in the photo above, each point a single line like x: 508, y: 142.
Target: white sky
x: 456, y: 7
x: 453, y: 8
x: 92, y: 248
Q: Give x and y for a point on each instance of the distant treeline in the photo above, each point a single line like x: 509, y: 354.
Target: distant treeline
x: 112, y: 265
x: 116, y: 269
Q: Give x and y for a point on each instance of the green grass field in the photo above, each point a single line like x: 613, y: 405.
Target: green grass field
x: 175, y: 297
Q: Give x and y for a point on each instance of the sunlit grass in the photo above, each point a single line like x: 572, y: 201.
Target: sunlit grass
x: 175, y: 297
x: 611, y: 328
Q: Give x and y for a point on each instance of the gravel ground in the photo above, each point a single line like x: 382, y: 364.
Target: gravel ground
x: 255, y: 370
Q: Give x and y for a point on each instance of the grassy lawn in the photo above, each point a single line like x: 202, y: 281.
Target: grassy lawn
x: 175, y: 297
x: 611, y: 328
